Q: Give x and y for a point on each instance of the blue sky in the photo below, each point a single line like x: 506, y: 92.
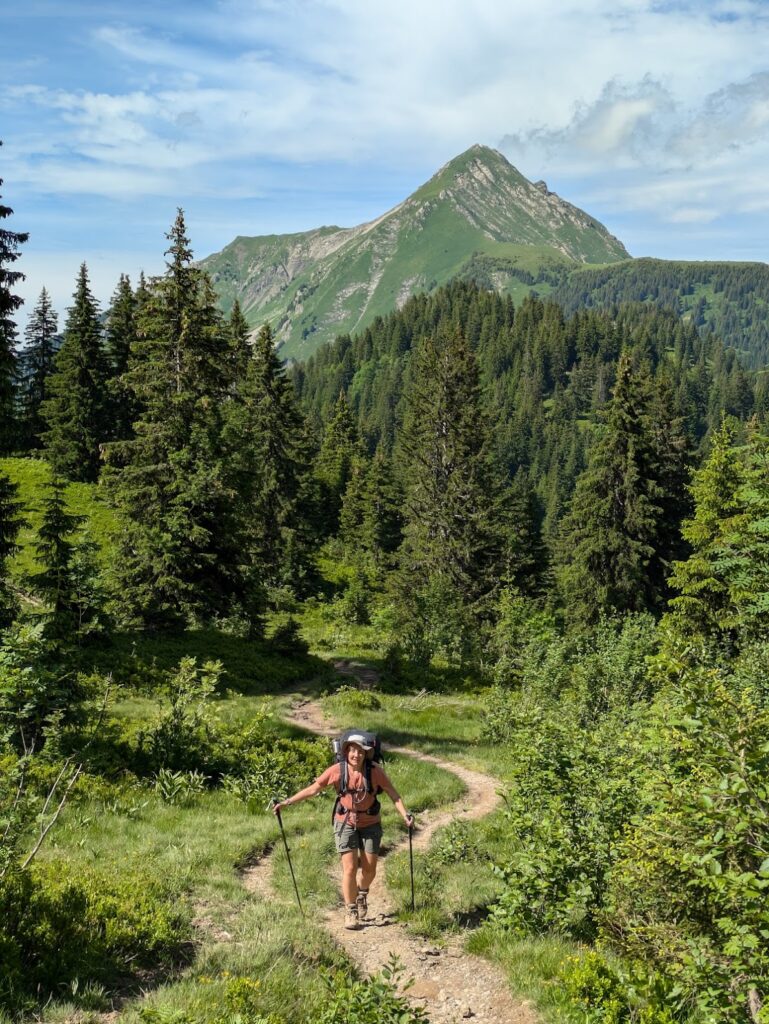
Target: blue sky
x: 262, y: 116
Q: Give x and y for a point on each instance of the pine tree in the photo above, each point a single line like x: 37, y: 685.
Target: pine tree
x: 181, y: 547
x: 119, y: 340
x: 268, y: 460
x: 722, y: 585
x: 10, y: 524
x: 10, y: 243
x: 37, y: 361
x: 68, y: 581
x: 450, y: 557
x: 608, y: 537
x: 74, y: 407
x: 340, y: 449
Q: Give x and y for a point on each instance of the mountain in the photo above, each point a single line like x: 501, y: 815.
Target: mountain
x: 477, y: 214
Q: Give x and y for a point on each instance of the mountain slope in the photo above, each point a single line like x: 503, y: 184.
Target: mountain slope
x: 314, y: 285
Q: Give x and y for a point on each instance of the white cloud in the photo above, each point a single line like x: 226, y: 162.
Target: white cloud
x: 648, y: 106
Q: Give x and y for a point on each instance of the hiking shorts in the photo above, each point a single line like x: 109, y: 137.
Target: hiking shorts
x: 348, y: 838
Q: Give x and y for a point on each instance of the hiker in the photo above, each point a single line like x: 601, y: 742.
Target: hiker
x: 357, y: 824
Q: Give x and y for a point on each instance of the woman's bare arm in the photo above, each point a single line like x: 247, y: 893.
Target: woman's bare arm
x: 303, y: 794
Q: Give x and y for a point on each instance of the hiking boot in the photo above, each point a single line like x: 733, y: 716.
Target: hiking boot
x: 351, y: 917
x: 362, y: 904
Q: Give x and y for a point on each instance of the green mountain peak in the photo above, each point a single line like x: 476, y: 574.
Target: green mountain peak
x: 316, y: 284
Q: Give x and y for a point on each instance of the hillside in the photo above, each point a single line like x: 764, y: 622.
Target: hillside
x: 317, y: 284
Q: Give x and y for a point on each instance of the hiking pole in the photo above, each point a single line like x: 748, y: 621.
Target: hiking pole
x: 290, y: 865
x: 411, y: 861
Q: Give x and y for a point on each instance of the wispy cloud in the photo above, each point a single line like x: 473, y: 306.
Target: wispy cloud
x: 652, y: 113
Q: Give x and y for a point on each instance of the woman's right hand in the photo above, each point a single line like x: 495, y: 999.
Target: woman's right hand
x: 276, y: 808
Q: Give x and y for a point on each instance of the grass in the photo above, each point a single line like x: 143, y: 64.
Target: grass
x: 198, y: 849
x: 32, y: 477
x: 533, y: 966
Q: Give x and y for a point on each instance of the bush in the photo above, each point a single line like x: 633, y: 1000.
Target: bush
x: 277, y: 770
x: 688, y: 896
x: 179, y: 788
x: 374, y: 1000
x: 606, y: 996
x: 57, y: 927
x: 181, y: 738
x: 286, y: 637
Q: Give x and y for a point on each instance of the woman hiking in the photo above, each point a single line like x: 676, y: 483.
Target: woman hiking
x: 357, y: 823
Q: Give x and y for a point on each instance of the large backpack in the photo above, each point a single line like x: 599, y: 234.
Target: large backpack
x: 374, y: 755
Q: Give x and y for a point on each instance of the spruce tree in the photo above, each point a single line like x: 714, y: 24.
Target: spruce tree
x: 37, y: 361
x: 74, y: 409
x: 340, y: 449
x: 181, y: 546
x: 10, y: 243
x: 381, y: 529
x: 240, y: 349
x: 68, y: 580
x: 268, y: 459
x: 703, y: 605
x: 525, y: 560
x: 10, y: 524
x: 450, y: 557
x: 609, y: 536
x: 119, y: 340
x: 352, y: 511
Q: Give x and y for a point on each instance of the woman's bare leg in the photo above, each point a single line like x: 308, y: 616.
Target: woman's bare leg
x: 368, y: 862
x: 349, y: 876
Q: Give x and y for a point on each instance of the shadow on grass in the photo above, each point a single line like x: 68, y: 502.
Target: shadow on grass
x: 251, y: 667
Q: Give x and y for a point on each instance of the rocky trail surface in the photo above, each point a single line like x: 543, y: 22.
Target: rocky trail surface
x: 451, y: 984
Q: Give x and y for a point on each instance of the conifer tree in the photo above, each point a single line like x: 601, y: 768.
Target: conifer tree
x: 120, y: 334
x: 352, y: 511
x: 239, y: 332
x: 67, y: 581
x: 450, y: 557
x: 703, y: 604
x: 525, y: 561
x: 381, y: 528
x: 608, y: 537
x: 37, y: 362
x: 74, y: 408
x: 268, y: 459
x: 119, y: 340
x: 340, y: 449
x: 10, y: 524
x: 10, y: 243
x: 181, y: 545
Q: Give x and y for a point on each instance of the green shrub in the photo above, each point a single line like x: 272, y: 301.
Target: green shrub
x: 374, y: 1000
x: 604, y: 996
x: 688, y: 896
x: 181, y: 737
x: 179, y: 788
x: 352, y: 699
x: 455, y: 844
x: 58, y: 927
x: 286, y: 637
x: 276, y: 770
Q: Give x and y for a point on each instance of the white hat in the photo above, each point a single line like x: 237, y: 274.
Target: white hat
x: 358, y: 740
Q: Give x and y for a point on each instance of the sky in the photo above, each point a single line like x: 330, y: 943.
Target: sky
x: 272, y: 116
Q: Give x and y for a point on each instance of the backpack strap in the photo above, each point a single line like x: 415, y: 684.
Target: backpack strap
x: 376, y: 807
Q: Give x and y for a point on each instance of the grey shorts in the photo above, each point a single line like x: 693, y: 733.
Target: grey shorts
x: 349, y: 838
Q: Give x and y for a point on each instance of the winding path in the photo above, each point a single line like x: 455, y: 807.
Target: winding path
x: 451, y: 984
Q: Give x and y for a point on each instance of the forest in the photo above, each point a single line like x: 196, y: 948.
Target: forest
x: 546, y: 526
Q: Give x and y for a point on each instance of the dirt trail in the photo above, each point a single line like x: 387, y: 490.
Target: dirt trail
x: 452, y: 984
